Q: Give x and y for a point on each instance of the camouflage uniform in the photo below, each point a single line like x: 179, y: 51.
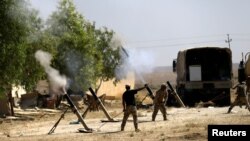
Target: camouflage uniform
x: 160, y: 100
x: 241, y: 97
x: 248, y: 86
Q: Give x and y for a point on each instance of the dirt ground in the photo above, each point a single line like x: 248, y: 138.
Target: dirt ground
x: 182, y: 124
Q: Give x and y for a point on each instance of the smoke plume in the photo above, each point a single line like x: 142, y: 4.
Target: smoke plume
x: 141, y: 61
x: 57, y: 82
x: 136, y: 60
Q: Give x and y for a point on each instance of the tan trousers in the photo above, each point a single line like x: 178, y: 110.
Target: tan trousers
x: 162, y: 108
x: 130, y: 110
x: 240, y: 100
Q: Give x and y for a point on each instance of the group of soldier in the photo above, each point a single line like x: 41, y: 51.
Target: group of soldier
x: 161, y: 97
x: 129, y: 104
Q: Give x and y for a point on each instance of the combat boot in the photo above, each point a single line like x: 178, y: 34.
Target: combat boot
x: 164, y: 117
x: 153, y: 118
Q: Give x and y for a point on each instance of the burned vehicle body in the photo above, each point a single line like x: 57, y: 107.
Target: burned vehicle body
x: 204, y: 74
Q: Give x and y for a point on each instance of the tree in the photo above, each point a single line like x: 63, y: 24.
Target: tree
x: 110, y: 53
x: 75, y: 48
x: 32, y: 68
x: 85, y: 54
x: 12, y: 41
x: 19, y: 23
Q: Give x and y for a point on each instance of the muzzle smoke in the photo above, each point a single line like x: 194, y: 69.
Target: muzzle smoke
x: 57, y: 82
x: 138, y: 61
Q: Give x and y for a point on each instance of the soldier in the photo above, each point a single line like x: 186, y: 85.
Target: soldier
x: 248, y: 89
x: 241, y: 97
x: 248, y: 85
x: 129, y: 106
x: 160, y: 100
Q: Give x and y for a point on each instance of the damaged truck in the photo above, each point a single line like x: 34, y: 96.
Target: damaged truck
x: 204, y: 74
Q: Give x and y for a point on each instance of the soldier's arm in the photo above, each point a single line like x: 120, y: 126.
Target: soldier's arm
x: 166, y: 98
x: 235, y: 86
x: 154, y: 98
x: 140, y: 88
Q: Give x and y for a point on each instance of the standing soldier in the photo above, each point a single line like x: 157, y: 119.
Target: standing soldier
x: 241, y: 97
x: 248, y: 83
x: 129, y: 106
x: 160, y: 100
x: 248, y: 90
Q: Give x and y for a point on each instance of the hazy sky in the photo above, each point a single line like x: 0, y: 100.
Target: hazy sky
x: 158, y: 29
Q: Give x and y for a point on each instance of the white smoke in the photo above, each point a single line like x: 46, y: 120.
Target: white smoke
x: 137, y: 60
x: 57, y: 82
x: 140, y: 61
x: 116, y: 41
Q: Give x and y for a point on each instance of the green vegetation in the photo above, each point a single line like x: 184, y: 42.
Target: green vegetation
x: 85, y: 54
x: 18, y: 24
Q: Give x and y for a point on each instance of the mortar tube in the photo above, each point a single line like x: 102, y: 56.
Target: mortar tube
x: 102, y: 106
x: 75, y: 111
x: 125, y: 51
x: 149, y: 92
x: 176, y: 95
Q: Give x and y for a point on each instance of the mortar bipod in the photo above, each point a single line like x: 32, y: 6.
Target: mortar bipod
x: 175, y: 94
x: 75, y: 110
x: 55, y: 125
x: 102, y: 107
x: 86, y: 129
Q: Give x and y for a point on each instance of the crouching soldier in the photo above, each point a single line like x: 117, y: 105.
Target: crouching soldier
x: 160, y: 100
x: 241, y: 97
